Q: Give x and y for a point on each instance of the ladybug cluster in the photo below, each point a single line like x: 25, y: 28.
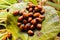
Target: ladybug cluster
x: 31, y: 20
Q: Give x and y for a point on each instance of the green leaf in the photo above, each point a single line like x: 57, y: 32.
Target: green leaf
x: 58, y: 12
x: 50, y: 17
x: 26, y: 0
x: 3, y: 14
x: 3, y: 18
x: 13, y: 28
x: 34, y: 2
x: 12, y: 21
x: 51, y: 24
x: 4, y: 2
x: 55, y: 1
x: 11, y: 1
x: 2, y: 33
x: 57, y: 6
x: 17, y: 6
x: 3, y: 23
x: 3, y: 6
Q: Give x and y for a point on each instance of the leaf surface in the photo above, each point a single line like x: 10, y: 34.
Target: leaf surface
x: 50, y: 26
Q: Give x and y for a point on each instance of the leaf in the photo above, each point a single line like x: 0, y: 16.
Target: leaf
x: 26, y: 0
x: 17, y: 6
x: 3, y: 18
x: 50, y: 17
x: 58, y: 12
x: 13, y: 28
x: 51, y: 24
x: 57, y: 6
x: 55, y: 1
x: 3, y: 6
x: 11, y: 1
x: 12, y: 21
x: 2, y: 33
x: 6, y: 3
x: 3, y: 14
x: 3, y: 24
x: 34, y: 2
